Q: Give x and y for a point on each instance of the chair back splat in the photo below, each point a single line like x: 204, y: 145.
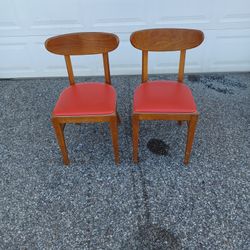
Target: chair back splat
x: 84, y: 43
x: 165, y: 40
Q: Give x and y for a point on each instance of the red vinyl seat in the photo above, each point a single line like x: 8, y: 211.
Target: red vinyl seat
x: 83, y: 99
x: 163, y: 97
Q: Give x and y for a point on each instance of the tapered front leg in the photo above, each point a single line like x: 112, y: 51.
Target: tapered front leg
x: 114, y: 134
x: 58, y: 127
x: 190, y: 137
x: 135, y: 136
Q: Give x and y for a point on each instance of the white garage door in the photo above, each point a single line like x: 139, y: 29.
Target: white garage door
x: 25, y: 25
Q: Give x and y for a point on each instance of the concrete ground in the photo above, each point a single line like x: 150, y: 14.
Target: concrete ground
x: 157, y: 204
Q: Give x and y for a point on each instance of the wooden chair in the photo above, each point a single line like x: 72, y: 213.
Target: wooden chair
x: 164, y: 100
x: 85, y: 102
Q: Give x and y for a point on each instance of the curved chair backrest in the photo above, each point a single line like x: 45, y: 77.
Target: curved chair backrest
x: 165, y: 40
x: 83, y: 43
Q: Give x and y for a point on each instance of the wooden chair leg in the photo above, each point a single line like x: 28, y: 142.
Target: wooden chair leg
x: 190, y: 137
x: 114, y: 134
x: 135, y: 135
x: 61, y: 141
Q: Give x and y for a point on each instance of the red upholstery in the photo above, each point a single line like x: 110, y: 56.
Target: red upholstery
x: 163, y: 97
x: 86, y: 99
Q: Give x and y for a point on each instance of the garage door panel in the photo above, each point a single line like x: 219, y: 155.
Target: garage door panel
x: 55, y: 17
x: 17, y: 57
x: 49, y: 63
x: 12, y: 22
x: 191, y: 13
x: 126, y: 59
x: 230, y: 50
x: 123, y: 17
x: 233, y: 14
x: 25, y: 25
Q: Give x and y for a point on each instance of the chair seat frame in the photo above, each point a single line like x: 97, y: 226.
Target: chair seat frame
x: 190, y: 118
x: 59, y: 123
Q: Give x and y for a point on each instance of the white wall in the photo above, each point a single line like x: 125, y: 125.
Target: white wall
x: 26, y: 24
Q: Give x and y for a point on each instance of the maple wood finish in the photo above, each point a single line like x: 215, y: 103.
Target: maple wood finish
x: 165, y: 100
x: 85, y: 102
